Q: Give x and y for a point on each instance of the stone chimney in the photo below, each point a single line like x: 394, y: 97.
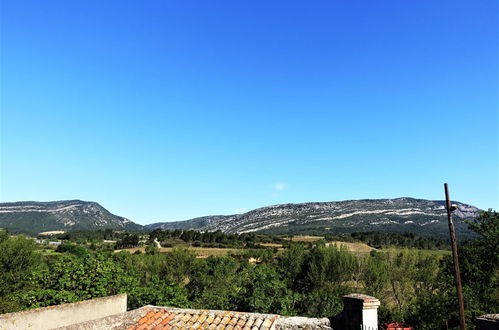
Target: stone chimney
x: 487, y: 322
x: 359, y: 312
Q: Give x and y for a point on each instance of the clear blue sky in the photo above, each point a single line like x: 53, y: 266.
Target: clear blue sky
x: 167, y: 110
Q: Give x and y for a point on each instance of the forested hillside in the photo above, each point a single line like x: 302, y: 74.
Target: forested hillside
x: 35, y: 217
x: 398, y: 215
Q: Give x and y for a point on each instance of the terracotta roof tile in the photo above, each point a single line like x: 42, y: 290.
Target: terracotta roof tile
x: 203, y: 317
x: 233, y: 320
x: 217, y: 320
x: 241, y: 321
x: 164, y: 318
x: 167, y: 319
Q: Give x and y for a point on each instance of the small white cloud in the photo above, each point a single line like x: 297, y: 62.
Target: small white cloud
x: 280, y: 186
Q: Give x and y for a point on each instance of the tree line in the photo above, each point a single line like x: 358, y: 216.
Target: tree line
x: 410, y: 240
x: 169, y: 238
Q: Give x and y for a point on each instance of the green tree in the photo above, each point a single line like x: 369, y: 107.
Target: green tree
x: 402, y: 280
x: 479, y: 261
x: 178, y: 265
x: 71, y: 278
x: 159, y: 293
x: 329, y: 275
x: 17, y: 260
x: 323, y: 301
x: 331, y: 264
x: 152, y: 249
x: 292, y: 265
x: 218, y: 283
x: 376, y: 276
x: 266, y: 292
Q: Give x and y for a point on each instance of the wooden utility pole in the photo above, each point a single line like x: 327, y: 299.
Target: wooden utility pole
x: 450, y: 208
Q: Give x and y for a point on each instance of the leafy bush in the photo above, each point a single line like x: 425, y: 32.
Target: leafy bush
x: 158, y: 293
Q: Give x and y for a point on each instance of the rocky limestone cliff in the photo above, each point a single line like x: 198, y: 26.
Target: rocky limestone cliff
x: 33, y: 217
x: 385, y: 215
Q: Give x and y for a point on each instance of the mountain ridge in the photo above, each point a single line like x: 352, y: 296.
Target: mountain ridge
x: 403, y: 214
x: 32, y: 217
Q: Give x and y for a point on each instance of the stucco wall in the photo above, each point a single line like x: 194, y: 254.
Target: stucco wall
x: 63, y: 315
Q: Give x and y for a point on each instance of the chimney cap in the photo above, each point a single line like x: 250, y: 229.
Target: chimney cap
x: 368, y: 302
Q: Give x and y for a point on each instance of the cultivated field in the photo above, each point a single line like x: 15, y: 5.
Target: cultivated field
x: 304, y: 238
x: 201, y: 252
x: 354, y: 247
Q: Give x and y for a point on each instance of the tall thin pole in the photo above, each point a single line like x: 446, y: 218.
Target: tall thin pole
x: 462, y: 321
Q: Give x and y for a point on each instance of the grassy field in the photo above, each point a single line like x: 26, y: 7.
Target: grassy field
x: 201, y: 252
x: 277, y: 245
x: 357, y: 248
x: 354, y: 247
x: 304, y: 238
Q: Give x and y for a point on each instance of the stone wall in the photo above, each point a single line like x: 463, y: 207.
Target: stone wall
x: 65, y: 314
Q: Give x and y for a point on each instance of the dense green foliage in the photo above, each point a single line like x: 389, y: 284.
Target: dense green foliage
x: 408, y: 240
x: 211, y: 239
x: 89, y: 235
x: 309, y: 280
x: 121, y: 239
x: 169, y: 238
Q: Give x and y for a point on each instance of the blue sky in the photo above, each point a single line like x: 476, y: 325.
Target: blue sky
x: 168, y: 110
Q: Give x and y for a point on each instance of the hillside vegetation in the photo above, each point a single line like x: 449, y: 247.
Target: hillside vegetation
x: 302, y: 278
x: 398, y: 215
x: 36, y: 217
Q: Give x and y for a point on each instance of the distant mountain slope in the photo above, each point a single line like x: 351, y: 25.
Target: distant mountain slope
x: 35, y: 217
x: 384, y: 215
x: 195, y: 223
x: 419, y: 216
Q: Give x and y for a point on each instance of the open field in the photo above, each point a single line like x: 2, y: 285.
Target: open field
x: 277, y: 245
x: 354, y: 247
x: 200, y: 251
x: 304, y: 238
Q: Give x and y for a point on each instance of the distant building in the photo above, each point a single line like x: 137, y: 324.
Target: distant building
x: 47, y: 242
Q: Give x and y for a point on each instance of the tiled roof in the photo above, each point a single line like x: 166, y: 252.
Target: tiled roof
x: 164, y: 318
x: 153, y: 317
